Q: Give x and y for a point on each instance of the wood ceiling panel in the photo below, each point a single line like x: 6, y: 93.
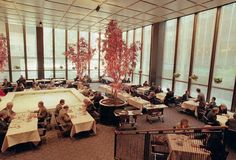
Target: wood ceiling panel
x: 179, y: 5
x: 110, y: 8
x: 22, y: 7
x: 94, y: 19
x: 192, y: 10
x: 128, y: 12
x: 121, y: 3
x: 53, y: 12
x: 142, y: 6
x: 172, y: 15
x: 61, y: 1
x: 100, y: 14
x: 57, y: 6
x: 117, y: 17
x: 79, y: 10
x: 216, y: 3
x: 160, y: 11
x: 144, y: 16
x: 37, y: 3
x: 86, y: 4
x: 74, y: 16
x: 133, y: 21
x: 159, y: 2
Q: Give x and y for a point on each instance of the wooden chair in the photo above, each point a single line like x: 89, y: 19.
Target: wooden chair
x: 155, y: 114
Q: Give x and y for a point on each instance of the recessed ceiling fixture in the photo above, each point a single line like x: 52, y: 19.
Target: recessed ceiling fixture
x: 98, y: 8
x: 40, y: 24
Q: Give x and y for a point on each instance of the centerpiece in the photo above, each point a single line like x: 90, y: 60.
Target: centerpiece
x: 120, y: 61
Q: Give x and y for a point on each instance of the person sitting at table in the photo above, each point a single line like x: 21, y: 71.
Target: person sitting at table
x: 59, y: 107
x: 21, y: 80
x: 36, y: 86
x: 169, y: 98
x: 231, y: 123
x: 158, y: 89
x: 19, y: 87
x: 134, y: 92
x: 128, y: 80
x: 213, y: 142
x: 6, y: 86
x: 183, y: 124
x: 212, y: 118
x: 152, y: 98
x: 212, y: 103
x: 90, y: 108
x: 145, y: 84
x: 222, y: 109
x: 76, y: 78
x: 96, y: 99
x: 69, y: 85
x: 153, y: 87
x: 10, y: 114
x: 3, y: 127
x: 42, y: 112
x: 186, y: 96
x: 64, y: 119
x: 202, y: 102
x: 85, y: 91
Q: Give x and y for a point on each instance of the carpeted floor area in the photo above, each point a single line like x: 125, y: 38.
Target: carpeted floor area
x: 98, y: 147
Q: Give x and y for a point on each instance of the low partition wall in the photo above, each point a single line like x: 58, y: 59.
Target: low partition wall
x: 191, y: 143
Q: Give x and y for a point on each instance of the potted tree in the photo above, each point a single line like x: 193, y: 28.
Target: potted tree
x: 120, y: 61
x: 80, y: 54
x: 3, y: 52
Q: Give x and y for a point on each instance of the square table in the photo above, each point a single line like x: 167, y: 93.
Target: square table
x: 81, y: 121
x: 124, y: 96
x: 161, y: 96
x: 142, y: 90
x: 191, y: 105
x: 188, y: 150
x: 105, y: 88
x: 22, y: 129
x: 138, y: 102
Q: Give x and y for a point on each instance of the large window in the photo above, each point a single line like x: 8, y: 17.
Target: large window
x: 147, y: 34
x: 183, y: 53
x: 138, y: 37
x: 225, y: 62
x: 60, y: 63
x: 48, y: 52
x: 17, y: 51
x: 94, y: 62
x: 72, y: 40
x: 203, y: 49
x: 31, y: 47
x: 169, y: 52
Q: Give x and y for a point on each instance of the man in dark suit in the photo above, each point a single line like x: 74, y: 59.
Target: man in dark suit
x: 158, y: 89
x: 169, y: 98
x: 212, y: 118
x: 202, y: 102
x: 3, y: 127
x: 6, y: 86
x: 231, y: 123
x: 96, y: 99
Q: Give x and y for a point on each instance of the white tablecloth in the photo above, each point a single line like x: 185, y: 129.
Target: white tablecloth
x: 81, y: 121
x: 142, y: 90
x: 105, y: 88
x: 187, y: 150
x: 137, y: 102
x: 161, y: 96
x: 191, y: 105
x: 124, y: 96
x: 21, y: 130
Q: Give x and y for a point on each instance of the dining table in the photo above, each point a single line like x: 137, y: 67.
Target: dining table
x: 22, y: 129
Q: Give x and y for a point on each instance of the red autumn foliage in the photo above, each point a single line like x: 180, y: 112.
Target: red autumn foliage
x: 3, y: 52
x: 120, y: 59
x: 80, y: 55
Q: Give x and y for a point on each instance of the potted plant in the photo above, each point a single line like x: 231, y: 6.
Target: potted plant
x: 194, y: 77
x: 3, y: 52
x: 218, y: 80
x: 120, y: 60
x: 80, y: 56
x: 177, y: 75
